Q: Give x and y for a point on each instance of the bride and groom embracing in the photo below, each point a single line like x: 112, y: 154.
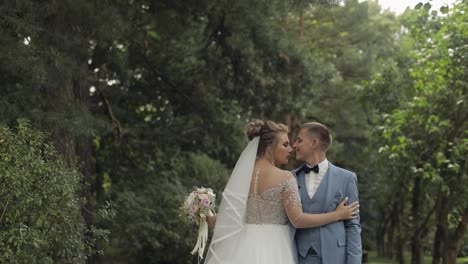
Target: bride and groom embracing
x: 268, y: 215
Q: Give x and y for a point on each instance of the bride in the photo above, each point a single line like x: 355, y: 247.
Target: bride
x: 261, y: 201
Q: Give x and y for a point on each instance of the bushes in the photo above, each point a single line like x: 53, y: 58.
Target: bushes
x: 40, y: 210
x: 149, y: 227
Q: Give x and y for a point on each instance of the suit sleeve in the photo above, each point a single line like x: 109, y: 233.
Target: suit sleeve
x: 353, y: 227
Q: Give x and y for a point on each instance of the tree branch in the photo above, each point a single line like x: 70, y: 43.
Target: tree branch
x: 114, y: 120
x: 4, y: 209
x: 426, y: 219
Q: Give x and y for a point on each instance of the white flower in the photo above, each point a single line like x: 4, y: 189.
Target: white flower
x: 203, y: 196
x: 189, y: 200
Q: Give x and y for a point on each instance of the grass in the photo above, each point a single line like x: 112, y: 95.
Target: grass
x: 373, y: 259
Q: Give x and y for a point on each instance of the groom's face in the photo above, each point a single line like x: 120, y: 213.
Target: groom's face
x: 304, y: 145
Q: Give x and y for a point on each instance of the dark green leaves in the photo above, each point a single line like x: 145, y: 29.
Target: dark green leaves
x: 40, y: 205
x: 444, y: 9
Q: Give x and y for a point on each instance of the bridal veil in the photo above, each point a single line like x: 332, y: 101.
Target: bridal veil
x: 231, y: 214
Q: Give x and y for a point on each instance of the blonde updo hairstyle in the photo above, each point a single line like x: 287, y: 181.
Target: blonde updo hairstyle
x: 267, y: 131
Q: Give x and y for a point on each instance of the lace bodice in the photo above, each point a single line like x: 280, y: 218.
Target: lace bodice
x: 274, y: 205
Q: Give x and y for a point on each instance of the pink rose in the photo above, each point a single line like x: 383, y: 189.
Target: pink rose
x: 204, y: 203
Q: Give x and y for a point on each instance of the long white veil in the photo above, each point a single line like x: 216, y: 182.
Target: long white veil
x: 231, y: 215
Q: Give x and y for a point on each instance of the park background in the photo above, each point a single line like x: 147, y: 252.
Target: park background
x: 111, y: 111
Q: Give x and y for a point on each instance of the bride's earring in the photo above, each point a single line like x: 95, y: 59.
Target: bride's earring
x: 270, y: 157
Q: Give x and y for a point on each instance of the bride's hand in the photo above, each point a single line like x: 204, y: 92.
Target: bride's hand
x: 347, y: 212
x: 211, y: 220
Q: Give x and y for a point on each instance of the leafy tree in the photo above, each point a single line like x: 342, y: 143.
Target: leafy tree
x: 423, y: 138
x: 44, y: 72
x: 180, y: 95
x: 40, y: 201
x: 149, y: 98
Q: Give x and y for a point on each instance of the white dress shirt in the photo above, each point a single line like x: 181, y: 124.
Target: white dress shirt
x: 313, y: 179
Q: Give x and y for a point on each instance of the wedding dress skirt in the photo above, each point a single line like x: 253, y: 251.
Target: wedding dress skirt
x: 253, y: 227
x: 260, y: 244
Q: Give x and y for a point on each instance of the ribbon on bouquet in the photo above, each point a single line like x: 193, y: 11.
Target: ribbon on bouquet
x: 202, y: 237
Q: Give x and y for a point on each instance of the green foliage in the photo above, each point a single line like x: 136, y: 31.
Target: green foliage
x: 148, y: 222
x: 150, y: 98
x: 349, y: 44
x: 40, y: 204
x: 423, y: 136
x: 430, y: 129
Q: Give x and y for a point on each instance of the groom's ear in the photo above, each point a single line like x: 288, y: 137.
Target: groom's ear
x: 315, y: 143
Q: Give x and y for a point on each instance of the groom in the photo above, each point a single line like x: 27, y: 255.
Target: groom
x: 322, y: 186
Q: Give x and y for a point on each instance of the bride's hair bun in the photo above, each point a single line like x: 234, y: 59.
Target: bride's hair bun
x: 253, y: 128
x: 267, y: 131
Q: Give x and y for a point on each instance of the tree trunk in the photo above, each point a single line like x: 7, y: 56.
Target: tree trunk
x: 416, y: 242
x: 69, y: 93
x: 439, y: 236
x: 399, y: 234
x: 393, y: 230
x: 456, y: 238
x: 83, y: 145
x: 293, y: 124
x: 416, y: 249
x: 399, y: 251
x: 437, y: 249
x: 381, y: 232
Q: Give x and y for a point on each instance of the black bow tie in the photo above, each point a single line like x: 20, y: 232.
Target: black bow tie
x: 306, y: 168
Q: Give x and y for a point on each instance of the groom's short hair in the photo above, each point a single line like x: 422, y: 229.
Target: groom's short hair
x: 321, y: 132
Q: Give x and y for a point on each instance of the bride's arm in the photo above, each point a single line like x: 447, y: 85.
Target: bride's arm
x: 299, y: 219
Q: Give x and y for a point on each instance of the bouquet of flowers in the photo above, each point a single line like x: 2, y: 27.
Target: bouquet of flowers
x: 197, y: 206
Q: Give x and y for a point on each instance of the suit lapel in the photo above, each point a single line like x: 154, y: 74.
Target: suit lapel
x: 330, y: 184
x: 322, y: 190
x: 301, y: 184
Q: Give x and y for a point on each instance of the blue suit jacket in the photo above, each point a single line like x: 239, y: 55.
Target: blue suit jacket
x: 340, y: 242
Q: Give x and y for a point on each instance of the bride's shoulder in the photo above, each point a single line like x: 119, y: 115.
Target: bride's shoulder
x: 284, y: 175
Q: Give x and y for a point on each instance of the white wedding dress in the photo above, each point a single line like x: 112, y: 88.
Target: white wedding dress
x: 252, y: 226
